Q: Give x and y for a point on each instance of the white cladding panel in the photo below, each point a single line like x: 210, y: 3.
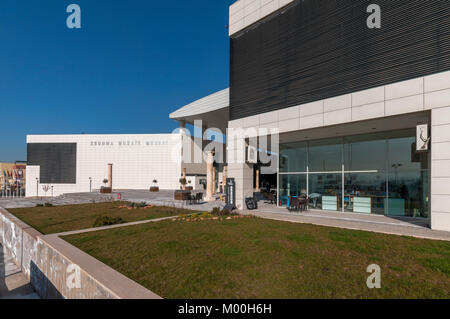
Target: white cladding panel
x: 244, y: 13
x: 137, y: 160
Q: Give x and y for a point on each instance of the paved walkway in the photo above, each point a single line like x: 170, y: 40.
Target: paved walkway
x: 67, y: 199
x: 13, y: 283
x: 165, y: 198
x: 161, y: 198
x: 398, y: 226
x: 375, y: 223
x: 90, y: 230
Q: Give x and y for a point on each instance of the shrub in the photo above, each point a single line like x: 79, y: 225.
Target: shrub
x: 216, y: 211
x: 108, y: 221
x: 226, y: 212
x: 39, y: 205
x: 206, y: 215
x: 138, y: 205
x: 48, y: 205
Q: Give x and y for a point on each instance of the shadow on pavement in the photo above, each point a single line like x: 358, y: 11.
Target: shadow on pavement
x: 3, y: 287
x: 11, y: 276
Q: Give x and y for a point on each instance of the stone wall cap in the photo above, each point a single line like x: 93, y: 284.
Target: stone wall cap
x: 119, y: 285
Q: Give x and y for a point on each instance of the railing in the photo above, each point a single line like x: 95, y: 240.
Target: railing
x: 12, y: 193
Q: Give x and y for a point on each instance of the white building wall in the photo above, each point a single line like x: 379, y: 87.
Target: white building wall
x: 244, y: 13
x: 420, y: 94
x: 437, y: 97
x: 195, y: 182
x: 137, y: 160
x: 238, y: 169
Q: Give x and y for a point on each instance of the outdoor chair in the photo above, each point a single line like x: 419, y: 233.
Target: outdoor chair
x: 198, y: 198
x: 190, y: 199
x: 294, y: 205
x: 304, y: 203
x: 269, y: 197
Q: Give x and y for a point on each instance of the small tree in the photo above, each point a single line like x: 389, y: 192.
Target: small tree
x: 155, y: 182
x: 105, y: 181
x: 46, y: 188
x: 183, y: 182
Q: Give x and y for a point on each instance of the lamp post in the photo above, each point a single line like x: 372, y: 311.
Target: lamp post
x: 90, y: 184
x: 37, y: 187
x: 396, y: 167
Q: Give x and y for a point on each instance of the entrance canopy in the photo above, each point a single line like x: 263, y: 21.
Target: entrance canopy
x: 213, y: 110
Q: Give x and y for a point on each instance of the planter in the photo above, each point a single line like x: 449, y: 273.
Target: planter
x: 105, y: 190
x: 181, y: 195
x: 154, y: 189
x: 189, y: 188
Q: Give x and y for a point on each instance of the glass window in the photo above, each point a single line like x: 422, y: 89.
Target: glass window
x: 408, y: 194
x: 402, y: 152
x: 366, y: 152
x: 325, y: 155
x: 291, y: 186
x: 408, y: 176
x: 384, y: 174
x: 365, y: 193
x: 293, y: 157
x: 325, y: 191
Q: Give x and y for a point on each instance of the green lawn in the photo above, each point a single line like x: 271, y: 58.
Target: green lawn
x: 257, y: 258
x: 50, y: 220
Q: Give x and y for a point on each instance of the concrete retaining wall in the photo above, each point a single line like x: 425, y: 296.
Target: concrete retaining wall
x: 45, y: 260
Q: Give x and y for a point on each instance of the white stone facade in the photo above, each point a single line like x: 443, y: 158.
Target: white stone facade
x: 137, y: 160
x: 430, y: 93
x: 244, y: 13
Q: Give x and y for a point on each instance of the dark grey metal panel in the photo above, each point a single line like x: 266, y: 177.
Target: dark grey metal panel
x: 58, y: 162
x: 314, y: 50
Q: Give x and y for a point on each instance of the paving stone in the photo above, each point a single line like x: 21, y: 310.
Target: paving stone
x: 162, y: 198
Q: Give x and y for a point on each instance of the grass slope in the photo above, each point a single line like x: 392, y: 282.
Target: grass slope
x: 50, y: 220
x: 257, y: 258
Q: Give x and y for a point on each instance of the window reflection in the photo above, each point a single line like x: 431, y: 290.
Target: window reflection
x: 383, y: 174
x: 403, y: 155
x: 365, y: 193
x: 367, y: 152
x: 292, y: 186
x: 325, y: 155
x: 293, y: 157
x: 408, y: 193
x: 325, y: 191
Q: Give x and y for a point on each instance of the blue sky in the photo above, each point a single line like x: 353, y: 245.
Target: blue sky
x: 132, y: 63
